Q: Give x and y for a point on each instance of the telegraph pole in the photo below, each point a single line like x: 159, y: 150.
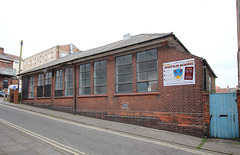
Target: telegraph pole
x: 20, y: 60
x: 238, y: 40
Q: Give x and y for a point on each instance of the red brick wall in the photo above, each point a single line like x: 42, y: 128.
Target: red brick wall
x: 174, y: 108
x: 9, y: 64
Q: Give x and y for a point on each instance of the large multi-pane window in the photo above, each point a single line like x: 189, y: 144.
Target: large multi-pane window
x: 40, y: 86
x: 47, y: 87
x: 68, y: 82
x: 100, y: 77
x: 84, y: 79
x: 124, y: 74
x: 59, y: 83
x: 31, y: 87
x: 147, y: 71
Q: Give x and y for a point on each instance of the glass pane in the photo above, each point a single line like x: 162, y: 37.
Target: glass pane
x: 152, y: 75
x: 152, y: 65
x: 142, y: 66
x: 71, y: 70
x: 142, y: 87
x: 119, y: 61
x: 153, y: 86
x: 82, y: 68
x: 88, y: 76
x: 142, y: 76
x: 152, y: 54
x: 97, y: 65
x: 141, y: 56
x: 100, y: 90
x: 124, y: 88
x: 127, y: 78
x: 87, y: 83
x: 71, y: 84
x: 128, y: 59
x: 87, y: 91
x: 71, y: 92
x: 103, y: 64
x: 88, y: 67
x: 124, y: 69
x: 66, y: 71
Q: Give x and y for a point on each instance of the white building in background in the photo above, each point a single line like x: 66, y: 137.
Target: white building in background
x: 48, y: 56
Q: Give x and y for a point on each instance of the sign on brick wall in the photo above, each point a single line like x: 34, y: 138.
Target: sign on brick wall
x: 180, y: 72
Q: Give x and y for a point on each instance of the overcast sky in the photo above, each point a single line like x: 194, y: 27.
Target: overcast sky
x: 207, y: 28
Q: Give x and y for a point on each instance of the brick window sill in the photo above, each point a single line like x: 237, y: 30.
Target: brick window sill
x: 138, y: 94
x: 62, y: 97
x: 40, y: 98
x: 91, y: 96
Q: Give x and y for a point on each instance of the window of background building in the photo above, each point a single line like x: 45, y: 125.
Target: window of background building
x: 68, y: 82
x: 85, y: 79
x: 40, y: 86
x: 48, y: 82
x: 210, y: 83
x: 124, y: 74
x: 100, y: 77
x: 59, y: 83
x: 31, y: 87
x: 147, y: 71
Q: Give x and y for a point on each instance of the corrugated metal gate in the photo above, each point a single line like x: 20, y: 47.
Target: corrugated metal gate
x: 224, y: 115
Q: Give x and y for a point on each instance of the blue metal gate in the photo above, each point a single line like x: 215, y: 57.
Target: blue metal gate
x: 224, y: 115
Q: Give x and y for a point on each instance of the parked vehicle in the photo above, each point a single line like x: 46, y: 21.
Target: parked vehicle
x: 2, y: 93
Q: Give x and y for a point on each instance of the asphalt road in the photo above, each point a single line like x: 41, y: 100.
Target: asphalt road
x: 80, y: 139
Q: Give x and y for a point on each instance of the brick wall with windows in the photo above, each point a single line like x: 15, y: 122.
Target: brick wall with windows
x: 128, y: 87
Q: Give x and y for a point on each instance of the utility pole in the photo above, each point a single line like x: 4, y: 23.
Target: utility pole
x: 238, y: 37
x: 20, y: 60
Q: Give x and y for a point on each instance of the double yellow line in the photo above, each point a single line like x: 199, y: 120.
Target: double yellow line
x: 44, y: 139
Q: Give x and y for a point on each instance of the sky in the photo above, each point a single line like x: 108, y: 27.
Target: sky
x: 207, y: 28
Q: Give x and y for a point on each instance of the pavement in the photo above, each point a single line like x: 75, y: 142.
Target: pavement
x: 219, y: 146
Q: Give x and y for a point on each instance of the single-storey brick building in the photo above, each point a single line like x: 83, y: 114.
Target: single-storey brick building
x: 150, y: 80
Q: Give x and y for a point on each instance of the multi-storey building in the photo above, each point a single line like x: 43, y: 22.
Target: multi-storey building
x: 48, y: 55
x: 8, y: 66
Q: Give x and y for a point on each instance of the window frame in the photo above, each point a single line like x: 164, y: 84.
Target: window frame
x: 83, y: 73
x: 68, y: 81
x: 47, y: 84
x: 120, y: 73
x: 59, y: 83
x: 146, y: 61
x: 40, y: 85
x: 31, y: 87
x: 99, y: 67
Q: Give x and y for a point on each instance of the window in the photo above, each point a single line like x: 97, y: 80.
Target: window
x: 147, y: 71
x: 31, y: 87
x: 40, y: 86
x: 68, y: 81
x: 25, y: 87
x: 85, y: 79
x: 59, y: 83
x: 100, y: 77
x: 210, y: 83
x: 124, y: 74
x: 48, y: 82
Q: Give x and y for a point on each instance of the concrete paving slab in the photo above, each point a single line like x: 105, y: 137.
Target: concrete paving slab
x: 13, y: 148
x: 24, y: 152
x: 222, y: 145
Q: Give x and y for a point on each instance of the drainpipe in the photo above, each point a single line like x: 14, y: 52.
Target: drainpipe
x: 204, y: 75
x: 75, y: 90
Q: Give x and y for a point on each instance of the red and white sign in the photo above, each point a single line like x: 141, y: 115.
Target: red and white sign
x: 180, y: 72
